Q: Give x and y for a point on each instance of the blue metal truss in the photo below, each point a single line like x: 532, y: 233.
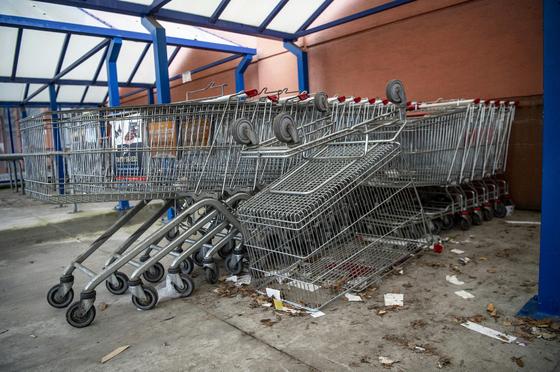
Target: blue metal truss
x: 160, y: 58
x: 302, y: 67
x: 240, y: 73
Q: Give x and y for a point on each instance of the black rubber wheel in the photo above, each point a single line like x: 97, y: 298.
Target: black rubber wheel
x: 77, y: 318
x: 211, y: 275
x: 188, y: 286
x: 476, y: 219
x: 121, y: 287
x: 395, y: 92
x: 243, y: 133
x: 225, y: 251
x: 284, y: 127
x: 321, y: 102
x: 187, y: 266
x: 155, y: 273
x: 151, y: 298
x: 500, y: 211
x: 197, y: 257
x: 59, y: 303
x: 172, y: 234
x: 464, y: 224
x: 487, y: 214
x: 447, y: 222
x: 436, y: 226
x: 233, y: 267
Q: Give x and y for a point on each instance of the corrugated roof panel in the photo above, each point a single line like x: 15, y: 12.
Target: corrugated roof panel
x: 248, y: 12
x: 95, y: 94
x: 199, y: 7
x: 8, y: 38
x: 128, y: 56
x: 70, y: 93
x: 11, y: 91
x: 146, y: 71
x: 293, y: 15
x: 39, y: 53
x: 41, y: 97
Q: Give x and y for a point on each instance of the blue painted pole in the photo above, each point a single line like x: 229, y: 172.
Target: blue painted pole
x: 240, y: 72
x: 547, y: 303
x: 56, y: 138
x: 10, y: 129
x: 302, y: 68
x: 113, y: 89
x: 150, y: 93
x: 160, y: 57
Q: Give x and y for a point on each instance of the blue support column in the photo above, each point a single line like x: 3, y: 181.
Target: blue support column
x: 303, y: 72
x: 160, y: 57
x: 56, y: 138
x: 113, y: 90
x: 547, y: 303
x: 240, y: 72
x: 150, y: 93
x: 10, y: 129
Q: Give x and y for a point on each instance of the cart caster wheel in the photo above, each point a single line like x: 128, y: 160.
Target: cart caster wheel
x: 320, y: 101
x: 121, y: 287
x: 172, y: 234
x: 151, y: 298
x: 233, y: 267
x: 188, y: 286
x: 395, y: 92
x: 464, y: 224
x: 447, y: 223
x: 436, y: 227
x: 487, y: 214
x: 187, y: 266
x: 197, y: 257
x: 284, y: 128
x: 476, y: 219
x: 500, y: 211
x: 243, y: 133
x: 57, y: 302
x: 77, y: 317
x: 155, y: 273
x: 225, y: 251
x: 211, y: 275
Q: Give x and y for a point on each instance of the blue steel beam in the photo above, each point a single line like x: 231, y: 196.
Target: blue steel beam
x: 10, y: 130
x: 272, y: 14
x: 69, y: 68
x: 41, y: 24
x: 219, y: 10
x: 302, y: 67
x: 353, y: 17
x: 139, y: 10
x: 156, y: 6
x: 160, y: 58
x: 47, y: 104
x: 173, y: 55
x: 26, y: 91
x: 111, y: 65
x: 30, y: 80
x: 138, y: 63
x: 62, y: 53
x: 150, y: 94
x: 240, y: 73
x: 547, y: 302
x: 56, y: 137
x: 16, y: 53
x: 315, y: 15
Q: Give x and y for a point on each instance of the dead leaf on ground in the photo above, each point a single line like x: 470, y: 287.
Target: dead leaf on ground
x: 478, y: 318
x: 102, y: 306
x: 518, y: 361
x: 418, y: 323
x: 269, y: 322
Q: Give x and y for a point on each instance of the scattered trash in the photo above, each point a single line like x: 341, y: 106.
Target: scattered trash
x: 443, y: 361
x: 3, y: 331
x: 453, y: 280
x: 381, y: 312
x: 394, y: 299
x: 491, y: 270
x: 478, y: 318
x: 419, y: 323
x: 464, y: 294
x: 482, y: 258
x: 386, y: 362
x: 521, y: 343
x: 166, y: 290
x: 269, y: 322
x: 518, y: 361
x: 457, y: 251
x: 32, y: 336
x: 523, y: 222
x: 316, y: 314
x: 419, y: 349
x: 114, y: 353
x: 489, y: 332
x: 278, y: 305
x: 491, y: 309
x: 509, y: 210
x: 353, y: 298
x: 271, y: 292
x: 102, y: 306
x: 168, y: 318
x: 464, y: 260
x: 438, y: 247
x: 266, y: 304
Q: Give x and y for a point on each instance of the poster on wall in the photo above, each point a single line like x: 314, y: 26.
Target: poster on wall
x: 127, y: 136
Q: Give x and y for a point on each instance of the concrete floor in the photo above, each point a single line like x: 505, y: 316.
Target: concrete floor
x: 210, y: 332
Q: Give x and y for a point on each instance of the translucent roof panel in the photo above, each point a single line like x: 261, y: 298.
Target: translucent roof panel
x: 39, y: 53
x: 128, y: 57
x: 293, y: 15
x: 248, y: 12
x: 142, y: 2
x: 41, y: 97
x: 78, y: 46
x: 199, y: 7
x: 70, y: 93
x: 12, y: 91
x: 193, y: 33
x: 95, y: 94
x: 146, y: 71
x: 46, y: 11
x: 8, y: 38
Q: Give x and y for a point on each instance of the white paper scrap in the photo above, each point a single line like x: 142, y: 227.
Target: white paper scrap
x: 232, y: 279
x: 457, y: 251
x: 271, y: 292
x: 316, y: 314
x: 394, y: 299
x: 453, y: 280
x: 523, y: 222
x: 509, y: 210
x: 186, y: 76
x: 464, y: 294
x: 353, y: 298
x: 489, y: 332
